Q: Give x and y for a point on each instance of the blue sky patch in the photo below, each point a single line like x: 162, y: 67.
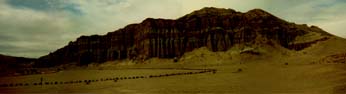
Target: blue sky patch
x: 45, y: 5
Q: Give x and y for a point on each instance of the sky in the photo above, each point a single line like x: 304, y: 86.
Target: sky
x: 33, y: 28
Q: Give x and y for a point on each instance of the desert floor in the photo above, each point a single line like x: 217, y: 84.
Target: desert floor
x: 260, y: 77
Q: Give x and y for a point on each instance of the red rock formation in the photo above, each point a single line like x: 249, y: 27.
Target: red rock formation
x: 217, y: 29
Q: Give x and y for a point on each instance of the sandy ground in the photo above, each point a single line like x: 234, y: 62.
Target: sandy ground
x: 261, y: 74
x: 256, y: 77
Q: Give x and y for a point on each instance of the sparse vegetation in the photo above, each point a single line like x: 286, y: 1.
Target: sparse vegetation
x: 239, y: 70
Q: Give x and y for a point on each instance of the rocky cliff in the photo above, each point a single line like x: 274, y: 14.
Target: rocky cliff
x: 217, y: 29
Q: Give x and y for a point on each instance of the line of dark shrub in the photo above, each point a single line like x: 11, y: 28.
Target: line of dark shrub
x: 107, y: 79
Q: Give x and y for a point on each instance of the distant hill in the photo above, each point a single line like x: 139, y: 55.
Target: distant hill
x: 15, y: 60
x: 11, y: 62
x: 217, y: 29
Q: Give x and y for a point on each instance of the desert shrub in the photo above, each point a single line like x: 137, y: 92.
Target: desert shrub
x: 240, y: 70
x: 286, y: 63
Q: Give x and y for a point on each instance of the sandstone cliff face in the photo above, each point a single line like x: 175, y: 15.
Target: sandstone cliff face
x: 217, y: 29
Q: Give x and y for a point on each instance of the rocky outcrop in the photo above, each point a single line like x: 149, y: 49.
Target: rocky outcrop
x: 301, y: 46
x: 336, y: 58
x: 217, y: 29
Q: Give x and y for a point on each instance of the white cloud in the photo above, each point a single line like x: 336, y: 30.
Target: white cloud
x: 335, y: 25
x: 326, y: 14
x: 25, y: 32
x: 30, y: 33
